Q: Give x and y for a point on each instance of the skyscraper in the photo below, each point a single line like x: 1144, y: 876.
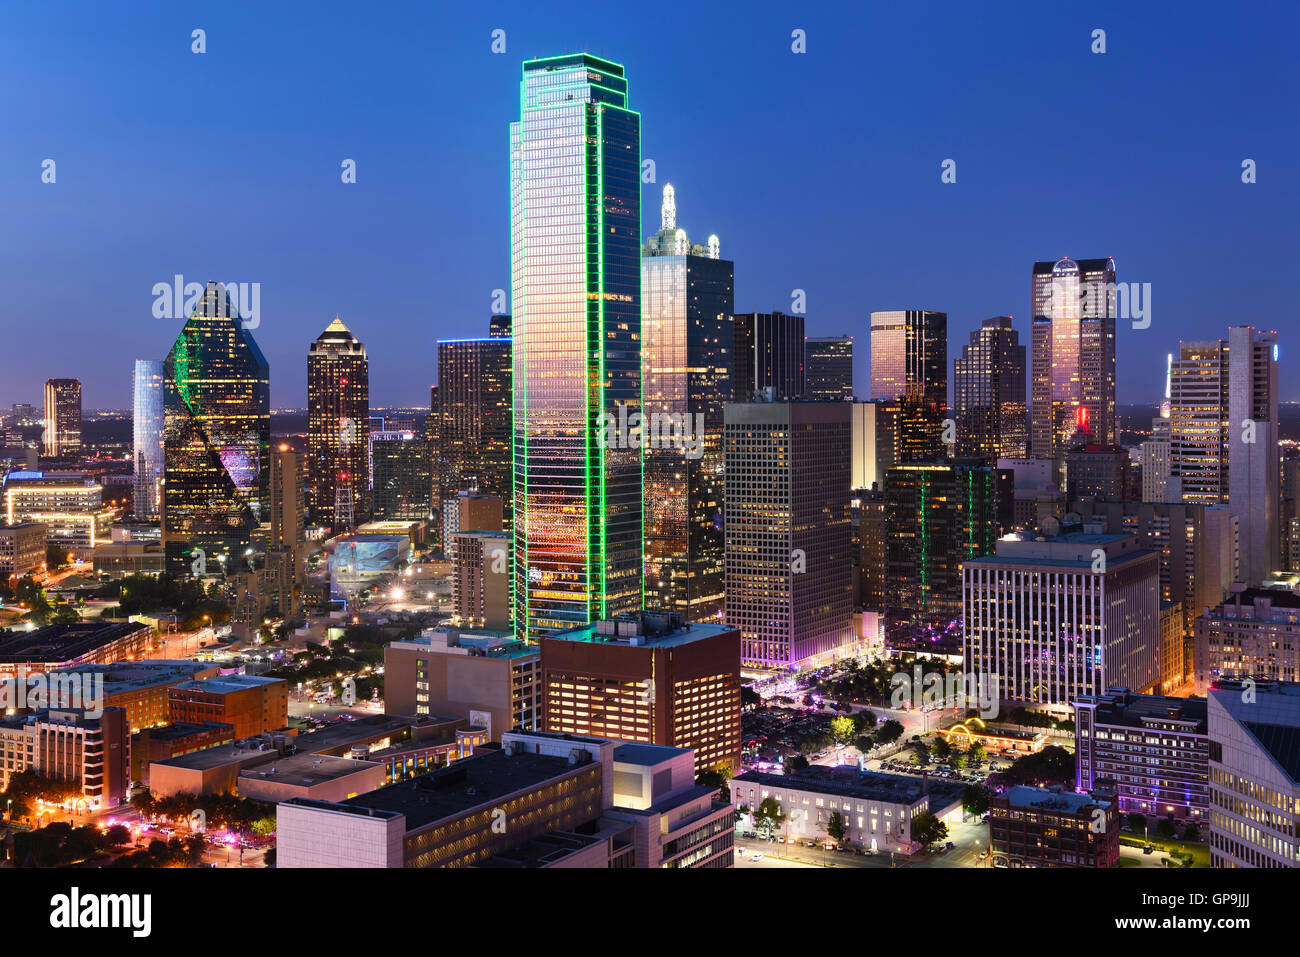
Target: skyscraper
x: 909, y: 363
x: 338, y: 412
x: 401, y: 476
x: 1073, y: 316
x: 62, y: 417
x: 937, y: 516
x: 575, y: 192
x: 686, y: 305
x: 828, y: 368
x: 767, y: 351
x: 789, y: 584
x: 989, y: 393
x: 216, y: 438
x: 147, y: 445
x: 474, y: 418
x: 1223, y: 437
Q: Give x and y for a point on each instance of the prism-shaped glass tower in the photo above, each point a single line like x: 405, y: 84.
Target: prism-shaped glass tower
x: 575, y: 211
x: 216, y: 439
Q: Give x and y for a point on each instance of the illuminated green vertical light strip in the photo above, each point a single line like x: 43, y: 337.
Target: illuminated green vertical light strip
x: 600, y: 335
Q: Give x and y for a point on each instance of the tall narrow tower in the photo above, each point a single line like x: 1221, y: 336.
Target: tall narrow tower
x: 338, y: 414
x: 575, y: 195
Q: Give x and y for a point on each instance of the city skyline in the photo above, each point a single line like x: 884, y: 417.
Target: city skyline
x: 1130, y: 202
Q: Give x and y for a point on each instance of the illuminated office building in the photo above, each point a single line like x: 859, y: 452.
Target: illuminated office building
x: 70, y: 506
x: 575, y: 188
x: 989, y: 393
x: 338, y: 414
x: 686, y: 304
x: 767, y: 356
x: 62, y: 417
x: 401, y: 476
x: 147, y: 425
x: 216, y: 438
x: 788, y: 535
x: 473, y: 422
x: 828, y: 368
x: 1223, y: 437
x: 1073, y: 317
x: 909, y: 364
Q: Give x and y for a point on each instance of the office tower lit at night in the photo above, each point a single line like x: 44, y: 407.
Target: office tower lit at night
x: 147, y: 436
x: 828, y: 368
x: 936, y: 517
x: 909, y: 364
x: 1073, y: 317
x: 338, y: 413
x: 989, y: 393
x: 686, y: 305
x: 767, y: 356
x: 473, y: 423
x: 400, y: 462
x: 575, y: 194
x: 789, y: 577
x: 62, y: 417
x: 216, y: 437
x: 1223, y: 437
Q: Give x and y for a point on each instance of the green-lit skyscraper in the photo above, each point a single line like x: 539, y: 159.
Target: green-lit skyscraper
x: 575, y: 215
x: 216, y: 439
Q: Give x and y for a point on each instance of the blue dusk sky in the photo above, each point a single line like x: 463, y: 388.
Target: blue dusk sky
x: 819, y: 171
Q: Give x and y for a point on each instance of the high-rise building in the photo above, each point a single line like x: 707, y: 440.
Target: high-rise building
x: 989, y: 393
x: 216, y: 438
x: 1152, y: 750
x: 1073, y: 316
x: 828, y: 368
x: 649, y: 678
x: 499, y: 326
x: 147, y: 445
x: 937, y: 516
x: 62, y: 417
x: 909, y: 364
x: 874, y: 444
x: 1250, y: 635
x: 767, y: 356
x: 788, y: 570
x: 1050, y: 620
x: 1224, y: 437
x: 1254, y: 773
x: 686, y: 306
x: 338, y: 414
x: 1097, y: 471
x: 1156, y: 460
x: 480, y: 585
x: 575, y: 165
x: 473, y: 427
x: 401, y: 476
x: 69, y: 505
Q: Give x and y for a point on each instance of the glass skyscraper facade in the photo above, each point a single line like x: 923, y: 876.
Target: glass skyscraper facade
x: 62, y: 417
x: 216, y: 438
x: 767, y: 351
x: 687, y: 298
x: 473, y: 424
x: 338, y: 415
x: 828, y: 368
x: 147, y: 437
x: 401, y: 476
x: 909, y: 364
x: 989, y: 393
x: 1073, y: 304
x: 575, y: 196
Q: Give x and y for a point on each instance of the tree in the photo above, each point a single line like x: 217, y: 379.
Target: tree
x: 1052, y: 765
x: 889, y: 732
x: 709, y: 777
x: 118, y: 835
x: 842, y: 730
x: 1165, y: 828
x: 927, y: 829
x: 768, y: 816
x: 749, y: 698
x: 1137, y: 823
x: 975, y: 800
x: 55, y: 556
x: 941, y: 749
x: 864, y: 720
x: 976, y: 753
x: 794, y: 764
x: 835, y: 829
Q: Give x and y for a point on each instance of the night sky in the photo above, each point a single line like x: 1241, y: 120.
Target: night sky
x: 818, y: 171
